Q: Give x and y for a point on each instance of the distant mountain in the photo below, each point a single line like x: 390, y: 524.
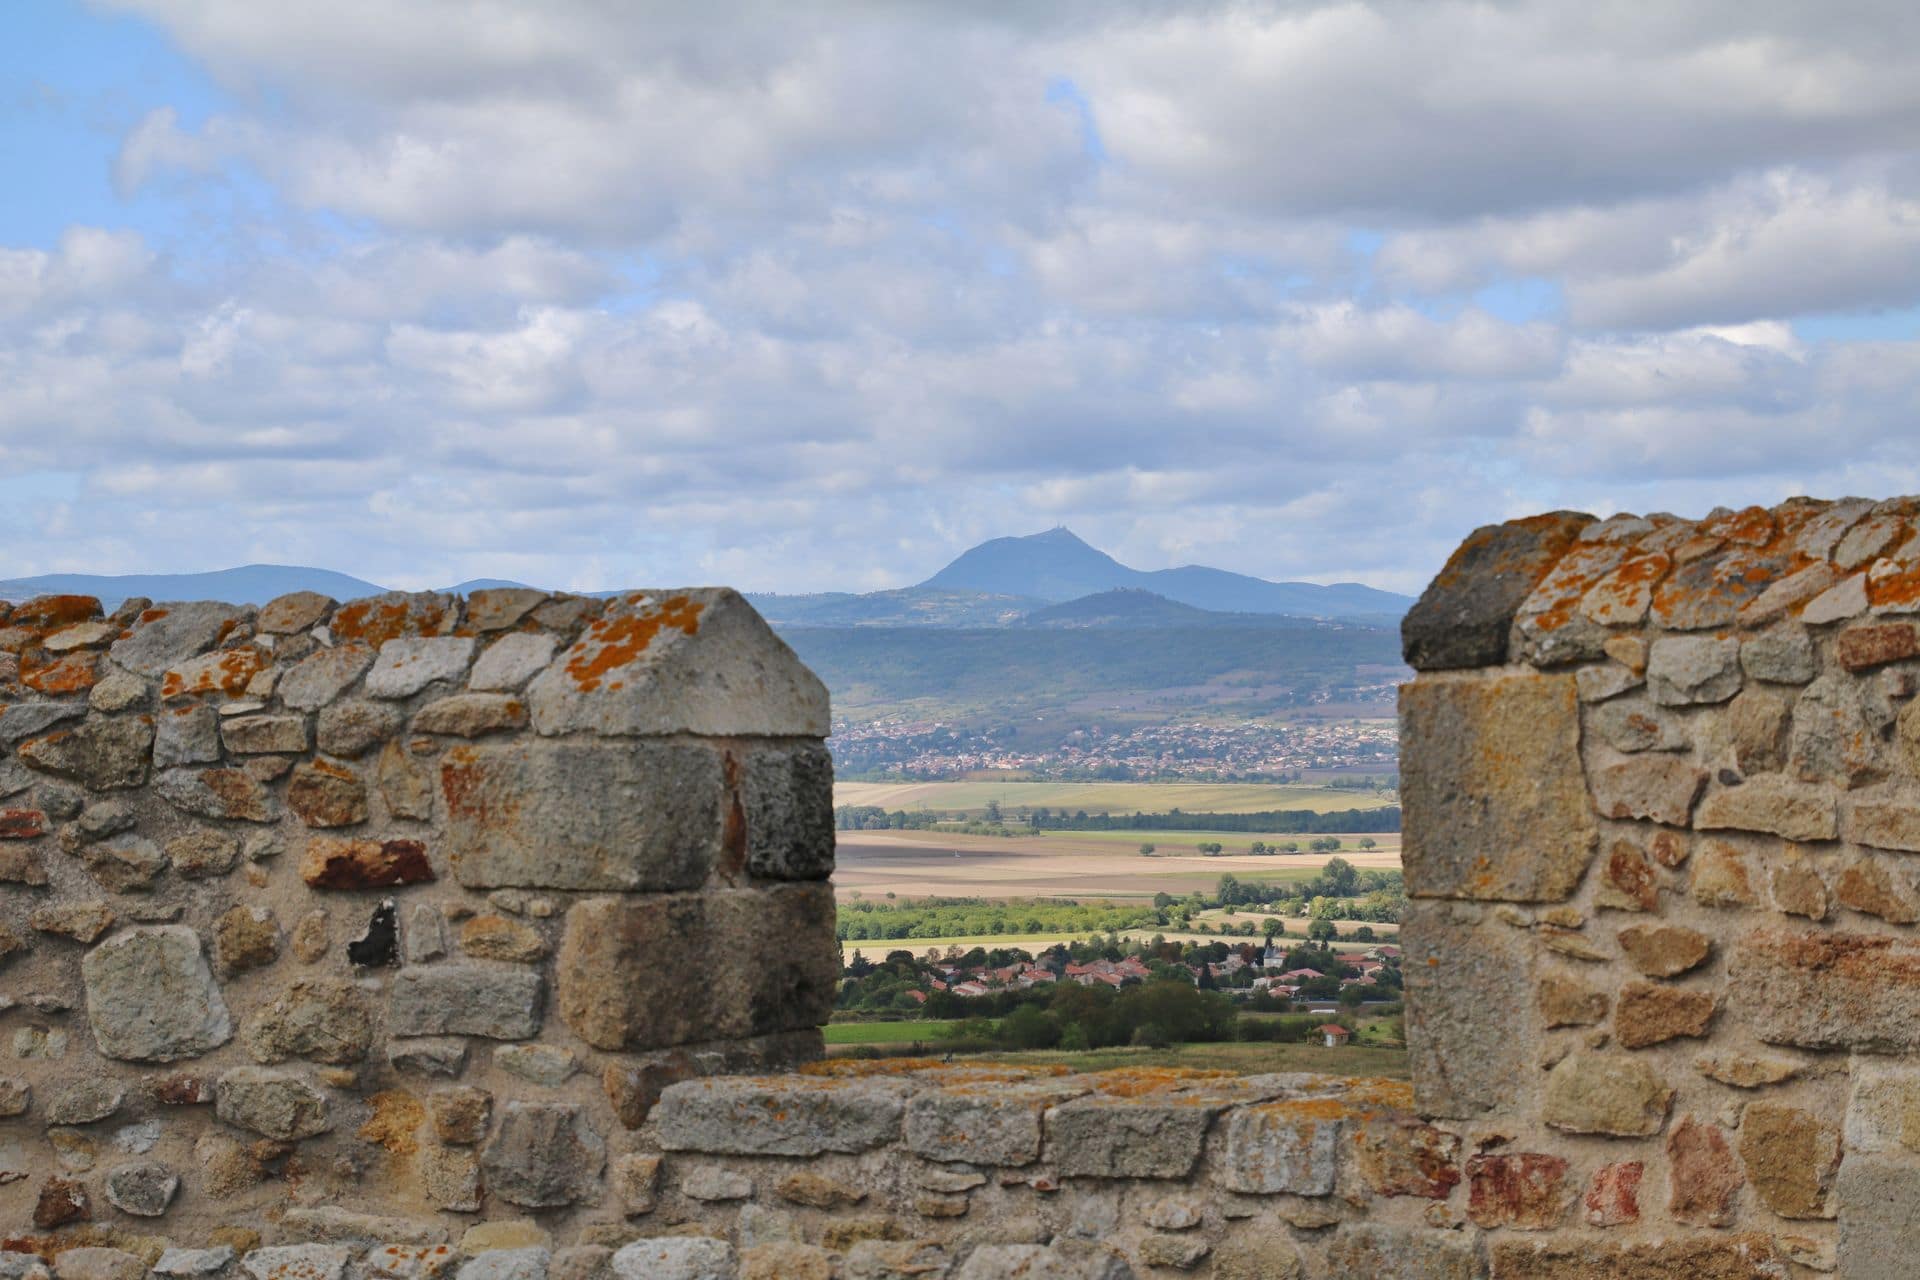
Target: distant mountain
x: 1130, y: 608
x: 248, y: 584
x: 472, y: 585
x: 907, y: 607
x: 1057, y: 566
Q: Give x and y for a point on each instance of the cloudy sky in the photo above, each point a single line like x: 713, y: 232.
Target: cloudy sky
x: 596, y: 293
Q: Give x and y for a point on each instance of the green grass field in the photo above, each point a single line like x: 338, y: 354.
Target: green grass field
x: 1109, y: 797
x: 886, y: 1032
x: 1241, y: 1058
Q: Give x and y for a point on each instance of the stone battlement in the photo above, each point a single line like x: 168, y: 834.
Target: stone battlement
x: 407, y: 907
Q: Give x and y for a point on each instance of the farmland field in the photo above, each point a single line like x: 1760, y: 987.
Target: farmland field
x: 1034, y: 943
x: 1109, y: 797
x: 887, y: 1032
x: 1084, y: 865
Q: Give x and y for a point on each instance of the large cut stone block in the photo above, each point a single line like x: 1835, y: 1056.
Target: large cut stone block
x: 778, y: 1115
x: 1828, y: 990
x: 1464, y: 616
x: 982, y: 1123
x: 1404, y: 1253
x: 1290, y: 1147
x: 645, y: 973
x: 1494, y: 798
x: 1470, y: 998
x: 583, y: 815
x: 1875, y: 1196
x: 473, y: 998
x: 695, y: 661
x: 152, y: 998
x: 787, y: 794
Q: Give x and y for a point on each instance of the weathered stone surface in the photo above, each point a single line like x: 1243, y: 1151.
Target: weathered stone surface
x: 1525, y: 1190
x: 1463, y: 618
x: 124, y: 864
x: 275, y: 1104
x: 151, y: 998
x: 545, y: 1154
x: 82, y: 921
x: 695, y: 661
x: 428, y: 1055
x: 1772, y: 805
x: 1495, y: 801
x: 783, y: 1116
x: 1827, y: 990
x: 261, y: 734
x: 1606, y: 1093
x: 332, y: 862
x: 194, y: 1262
x: 1397, y: 1155
x: 997, y: 1126
x: 231, y: 794
x: 408, y: 664
x: 707, y: 981
x: 1684, y: 671
x: 23, y: 720
x: 1790, y: 1159
x: 787, y: 797
x: 1465, y: 989
x: 1757, y: 727
x: 1278, y: 1147
x: 474, y: 998
x: 1783, y: 655
x: 511, y: 661
x: 1722, y: 877
x: 1888, y: 822
x: 245, y: 938
x: 1566, y: 1003
x: 1664, y: 950
x: 1873, y: 887
x: 1704, y: 1177
x: 1628, y: 881
x: 325, y: 794
x: 1874, y: 644
x: 494, y: 937
x: 323, y: 676
x: 298, y: 1262
x: 558, y: 832
x: 543, y: 1064
x: 226, y: 671
x: 675, y: 1258
x: 1834, y: 738
x: 85, y: 1101
x: 354, y: 726
x: 1648, y: 1013
x: 61, y: 1201
x: 170, y: 634
x: 497, y: 608
x: 144, y: 1188
x: 296, y: 611
x: 1875, y: 1195
x: 1403, y: 1253
x: 1745, y: 1072
x: 186, y: 735
x: 1737, y: 1257
x: 1613, y: 1195
x: 1634, y: 724
x: 323, y: 1019
x: 1659, y: 788
x: 471, y: 715
x: 104, y: 753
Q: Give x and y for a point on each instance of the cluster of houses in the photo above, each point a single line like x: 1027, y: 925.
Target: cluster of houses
x: 1020, y: 976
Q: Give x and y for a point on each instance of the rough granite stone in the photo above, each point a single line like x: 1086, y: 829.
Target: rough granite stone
x: 1495, y: 801
x: 471, y: 998
x: 323, y: 676
x: 144, y: 1188
x: 1000, y: 1126
x: 151, y: 997
x: 545, y: 1154
x: 275, y: 1104
x: 408, y: 664
x: 1827, y: 990
x: 782, y: 1116
x: 1403, y: 1253
x: 675, y: 1258
x: 169, y: 634
x: 1605, y: 1093
x: 1684, y: 671
x: 1773, y: 805
x: 1466, y: 987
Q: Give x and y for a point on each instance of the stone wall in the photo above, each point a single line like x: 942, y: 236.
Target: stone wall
x: 1662, y: 800
x: 406, y: 907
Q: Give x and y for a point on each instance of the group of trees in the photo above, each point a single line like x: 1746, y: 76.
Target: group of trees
x: 1261, y: 849
x: 1281, y: 821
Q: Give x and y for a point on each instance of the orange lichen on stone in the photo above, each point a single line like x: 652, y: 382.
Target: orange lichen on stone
x: 50, y: 613
x: 614, y: 642
x: 229, y: 674
x: 1893, y: 586
x: 376, y: 621
x: 395, y: 1122
x: 69, y: 673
